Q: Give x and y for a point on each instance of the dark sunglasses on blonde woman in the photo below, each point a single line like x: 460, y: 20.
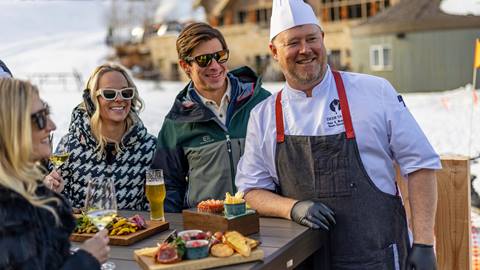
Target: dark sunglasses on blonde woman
x: 40, y: 118
x: 111, y: 94
x: 205, y: 59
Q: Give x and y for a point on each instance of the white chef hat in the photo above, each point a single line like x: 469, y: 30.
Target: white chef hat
x: 287, y: 14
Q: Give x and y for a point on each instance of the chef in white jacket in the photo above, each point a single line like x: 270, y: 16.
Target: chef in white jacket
x: 322, y: 151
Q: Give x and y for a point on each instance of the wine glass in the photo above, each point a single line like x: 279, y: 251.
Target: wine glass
x: 59, y: 157
x: 101, y: 206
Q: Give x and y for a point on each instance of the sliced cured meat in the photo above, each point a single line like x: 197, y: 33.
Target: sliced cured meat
x: 167, y: 254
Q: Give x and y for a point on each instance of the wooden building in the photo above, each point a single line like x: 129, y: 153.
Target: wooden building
x: 417, y: 47
x: 245, y: 25
x: 164, y: 56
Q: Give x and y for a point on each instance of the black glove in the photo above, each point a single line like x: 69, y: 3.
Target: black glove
x: 315, y: 215
x: 421, y: 257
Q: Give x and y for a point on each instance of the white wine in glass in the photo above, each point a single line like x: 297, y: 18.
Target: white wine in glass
x: 101, y: 218
x: 58, y: 159
x: 101, y: 206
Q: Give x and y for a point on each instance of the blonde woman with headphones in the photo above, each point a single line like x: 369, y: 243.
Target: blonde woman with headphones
x: 106, y: 140
x: 35, y: 223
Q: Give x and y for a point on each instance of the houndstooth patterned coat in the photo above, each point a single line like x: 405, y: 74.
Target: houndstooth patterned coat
x: 126, y: 168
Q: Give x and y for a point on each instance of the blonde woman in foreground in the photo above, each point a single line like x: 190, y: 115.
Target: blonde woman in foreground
x: 35, y: 223
x: 106, y: 140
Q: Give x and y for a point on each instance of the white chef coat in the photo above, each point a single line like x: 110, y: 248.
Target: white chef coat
x: 385, y: 130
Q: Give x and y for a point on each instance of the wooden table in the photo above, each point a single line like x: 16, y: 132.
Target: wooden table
x: 285, y: 243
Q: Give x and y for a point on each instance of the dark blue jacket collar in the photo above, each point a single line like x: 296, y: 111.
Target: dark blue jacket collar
x: 189, y: 108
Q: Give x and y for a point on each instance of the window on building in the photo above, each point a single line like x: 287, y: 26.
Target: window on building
x: 261, y: 63
x: 355, y: 11
x: 334, y: 14
x: 174, y: 73
x: 263, y: 15
x: 381, y: 57
x: 242, y: 16
x: 335, y: 10
x: 221, y: 20
x: 334, y: 59
x: 369, y: 8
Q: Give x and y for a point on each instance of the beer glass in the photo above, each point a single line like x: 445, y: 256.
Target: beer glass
x: 155, y: 191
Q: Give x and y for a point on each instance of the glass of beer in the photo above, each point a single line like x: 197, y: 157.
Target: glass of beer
x: 155, y: 191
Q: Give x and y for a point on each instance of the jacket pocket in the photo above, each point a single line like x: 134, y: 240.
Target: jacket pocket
x: 382, y: 259
x: 209, y: 173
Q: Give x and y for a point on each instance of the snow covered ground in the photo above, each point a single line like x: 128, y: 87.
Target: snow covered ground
x: 62, y: 36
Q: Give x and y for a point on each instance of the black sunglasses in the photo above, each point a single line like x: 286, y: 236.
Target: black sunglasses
x: 205, y: 59
x: 40, y: 118
x: 126, y: 93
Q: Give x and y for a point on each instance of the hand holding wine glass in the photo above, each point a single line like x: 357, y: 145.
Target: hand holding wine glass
x: 101, y: 206
x: 98, y: 246
x: 54, y: 180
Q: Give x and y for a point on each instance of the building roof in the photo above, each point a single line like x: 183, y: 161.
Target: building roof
x: 412, y: 16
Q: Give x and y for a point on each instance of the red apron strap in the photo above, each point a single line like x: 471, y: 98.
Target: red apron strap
x: 279, y: 118
x: 347, y: 119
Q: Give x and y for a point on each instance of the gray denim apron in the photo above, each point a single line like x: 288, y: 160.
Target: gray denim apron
x: 371, y: 228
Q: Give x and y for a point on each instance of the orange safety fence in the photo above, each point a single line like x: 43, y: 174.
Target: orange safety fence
x: 476, y: 248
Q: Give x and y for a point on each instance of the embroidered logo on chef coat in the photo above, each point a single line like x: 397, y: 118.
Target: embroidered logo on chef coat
x: 335, y: 118
x: 335, y: 106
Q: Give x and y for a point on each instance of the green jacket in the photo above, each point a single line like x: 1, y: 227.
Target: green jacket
x: 198, y: 153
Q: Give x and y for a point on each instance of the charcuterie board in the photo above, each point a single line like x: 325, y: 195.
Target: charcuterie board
x: 148, y: 263
x: 153, y: 227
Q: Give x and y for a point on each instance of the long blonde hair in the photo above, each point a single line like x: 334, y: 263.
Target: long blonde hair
x: 95, y: 119
x: 18, y: 172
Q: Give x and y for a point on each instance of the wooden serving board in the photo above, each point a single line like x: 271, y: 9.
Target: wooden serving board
x: 246, y: 224
x: 148, y: 263
x: 153, y: 227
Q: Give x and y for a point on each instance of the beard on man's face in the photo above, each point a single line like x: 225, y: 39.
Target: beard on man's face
x: 299, y: 77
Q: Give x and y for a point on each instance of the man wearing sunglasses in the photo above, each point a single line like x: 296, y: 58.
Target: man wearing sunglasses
x: 202, y: 137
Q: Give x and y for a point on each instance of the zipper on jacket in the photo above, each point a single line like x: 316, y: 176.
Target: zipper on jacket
x: 232, y: 171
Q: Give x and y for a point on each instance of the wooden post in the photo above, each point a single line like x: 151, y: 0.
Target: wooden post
x: 252, y: 16
x: 213, y: 20
x: 325, y: 15
x: 228, y: 17
x: 452, y: 222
